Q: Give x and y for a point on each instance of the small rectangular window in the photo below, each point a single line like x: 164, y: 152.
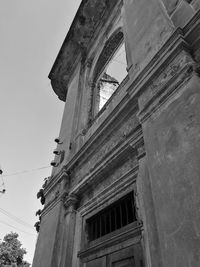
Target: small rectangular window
x: 114, y: 217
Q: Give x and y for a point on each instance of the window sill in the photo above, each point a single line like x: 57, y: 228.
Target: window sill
x: 132, y: 230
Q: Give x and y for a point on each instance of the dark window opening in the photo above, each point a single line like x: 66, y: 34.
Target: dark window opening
x: 114, y: 217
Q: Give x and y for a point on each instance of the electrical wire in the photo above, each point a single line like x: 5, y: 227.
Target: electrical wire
x: 13, y: 217
x: 18, y: 229
x: 26, y: 171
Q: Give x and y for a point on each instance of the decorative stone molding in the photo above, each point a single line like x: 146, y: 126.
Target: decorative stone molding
x: 164, y: 86
x: 64, y: 196
x: 111, y: 192
x: 70, y: 202
x: 141, y: 152
x: 89, y: 16
x: 53, y: 194
x: 138, y: 146
x: 110, y: 162
x: 89, y: 63
x: 100, y: 150
x: 132, y: 234
x: 162, y: 77
x: 63, y: 175
x: 56, y: 190
x: 59, y: 88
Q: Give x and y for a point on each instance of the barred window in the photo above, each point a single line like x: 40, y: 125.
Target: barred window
x: 114, y: 217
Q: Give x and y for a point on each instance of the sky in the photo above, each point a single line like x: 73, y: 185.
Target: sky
x: 32, y: 32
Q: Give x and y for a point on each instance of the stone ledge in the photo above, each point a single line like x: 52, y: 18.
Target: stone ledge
x: 118, y: 188
x: 131, y: 231
x: 123, y: 150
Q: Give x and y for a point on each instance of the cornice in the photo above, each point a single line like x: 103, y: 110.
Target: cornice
x: 53, y: 181
x: 70, y: 201
x: 89, y: 15
x: 118, y: 188
x: 162, y: 58
x: 181, y: 39
x: 134, y: 89
x: 132, y: 145
x: 182, y: 43
x: 166, y: 91
x: 47, y: 208
x: 115, y: 117
x: 170, y: 68
x: 132, y: 231
x: 129, y: 147
x: 60, y: 82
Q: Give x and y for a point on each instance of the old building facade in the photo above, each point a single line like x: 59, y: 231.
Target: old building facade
x: 124, y: 189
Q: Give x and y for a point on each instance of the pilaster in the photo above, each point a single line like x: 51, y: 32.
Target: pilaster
x: 146, y: 213
x: 169, y: 112
x: 48, y: 247
x: 69, y: 203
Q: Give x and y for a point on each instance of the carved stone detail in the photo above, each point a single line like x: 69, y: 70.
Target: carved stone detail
x: 103, y: 147
x: 89, y: 63
x: 164, y: 85
x: 70, y: 202
x: 87, y: 19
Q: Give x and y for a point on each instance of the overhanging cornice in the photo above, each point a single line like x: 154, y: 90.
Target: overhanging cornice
x: 90, y: 14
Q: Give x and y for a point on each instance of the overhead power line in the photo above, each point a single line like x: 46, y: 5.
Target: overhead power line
x: 18, y: 229
x: 18, y: 220
x: 26, y: 171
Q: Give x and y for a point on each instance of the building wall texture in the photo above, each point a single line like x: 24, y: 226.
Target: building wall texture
x: 145, y: 141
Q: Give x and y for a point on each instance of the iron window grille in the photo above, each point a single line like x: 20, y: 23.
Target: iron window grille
x: 114, y: 217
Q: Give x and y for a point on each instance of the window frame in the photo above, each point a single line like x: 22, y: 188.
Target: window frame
x: 110, y: 48
x: 131, y: 211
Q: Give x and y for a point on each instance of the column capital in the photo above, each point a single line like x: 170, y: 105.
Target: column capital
x: 69, y: 202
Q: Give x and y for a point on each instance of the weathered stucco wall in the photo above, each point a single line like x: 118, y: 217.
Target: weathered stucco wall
x: 180, y: 11
x: 173, y: 145
x: 145, y: 141
x: 66, y: 130
x: 48, y: 239
x: 105, y: 144
x: 151, y: 29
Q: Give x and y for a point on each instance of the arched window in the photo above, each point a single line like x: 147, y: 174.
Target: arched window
x: 110, y: 71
